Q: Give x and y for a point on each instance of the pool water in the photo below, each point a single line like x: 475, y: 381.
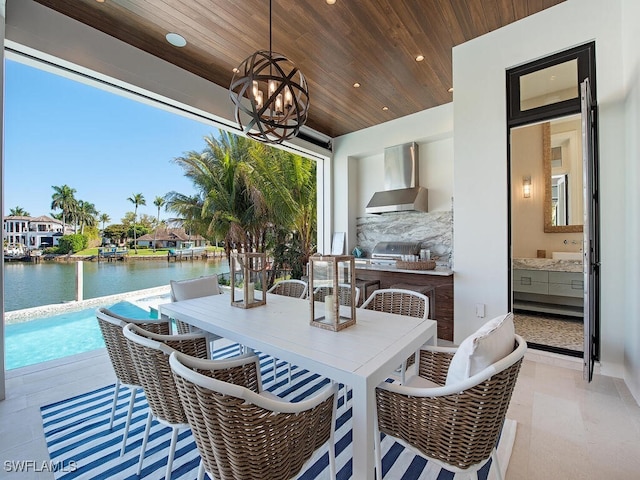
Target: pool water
x: 59, y: 336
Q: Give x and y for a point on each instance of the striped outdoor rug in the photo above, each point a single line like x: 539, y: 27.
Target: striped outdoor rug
x: 82, y: 447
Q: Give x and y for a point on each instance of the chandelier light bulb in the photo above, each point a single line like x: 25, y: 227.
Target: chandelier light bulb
x: 259, y: 100
x: 288, y: 99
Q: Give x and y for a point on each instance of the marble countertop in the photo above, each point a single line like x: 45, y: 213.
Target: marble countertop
x: 548, y: 264
x: 363, y: 264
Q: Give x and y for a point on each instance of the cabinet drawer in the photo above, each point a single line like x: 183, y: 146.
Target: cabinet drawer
x: 566, y: 277
x: 573, y: 289
x: 531, y: 281
x: 530, y: 276
x: 527, y: 286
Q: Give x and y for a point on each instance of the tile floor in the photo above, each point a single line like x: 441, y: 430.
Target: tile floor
x: 555, y: 331
x: 567, y: 429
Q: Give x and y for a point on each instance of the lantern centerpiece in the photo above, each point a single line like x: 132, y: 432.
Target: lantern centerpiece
x: 332, y: 279
x: 248, y: 279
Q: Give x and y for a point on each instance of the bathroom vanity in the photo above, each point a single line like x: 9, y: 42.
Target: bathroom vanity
x: 548, y: 285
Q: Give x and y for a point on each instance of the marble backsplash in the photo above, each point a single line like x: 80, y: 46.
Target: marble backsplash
x: 434, y: 230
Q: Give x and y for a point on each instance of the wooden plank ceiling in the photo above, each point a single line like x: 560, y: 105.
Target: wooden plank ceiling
x: 372, y: 42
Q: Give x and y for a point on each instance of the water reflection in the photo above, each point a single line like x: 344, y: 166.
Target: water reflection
x: 31, y: 285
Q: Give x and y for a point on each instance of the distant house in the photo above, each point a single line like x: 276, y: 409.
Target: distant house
x: 171, y: 238
x: 33, y: 232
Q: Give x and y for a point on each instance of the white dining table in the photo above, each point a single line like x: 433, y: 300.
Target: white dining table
x: 360, y: 356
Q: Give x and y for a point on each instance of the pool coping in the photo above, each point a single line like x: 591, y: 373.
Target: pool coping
x: 26, y: 314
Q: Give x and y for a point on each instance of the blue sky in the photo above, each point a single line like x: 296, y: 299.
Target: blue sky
x: 107, y: 147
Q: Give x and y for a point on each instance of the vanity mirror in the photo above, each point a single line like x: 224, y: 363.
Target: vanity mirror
x: 562, y: 171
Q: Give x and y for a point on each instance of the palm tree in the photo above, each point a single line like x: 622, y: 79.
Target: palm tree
x: 158, y: 202
x: 19, y: 212
x: 189, y: 211
x: 63, y: 199
x: 230, y: 206
x: 86, y: 214
x: 288, y: 183
x: 137, y: 199
x: 104, y: 218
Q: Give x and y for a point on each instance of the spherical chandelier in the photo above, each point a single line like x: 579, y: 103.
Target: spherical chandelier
x: 270, y: 96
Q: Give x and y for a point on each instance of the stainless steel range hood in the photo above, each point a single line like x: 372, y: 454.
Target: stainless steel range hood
x: 402, y: 192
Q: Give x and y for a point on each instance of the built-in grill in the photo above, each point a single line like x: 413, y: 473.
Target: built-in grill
x: 392, y: 251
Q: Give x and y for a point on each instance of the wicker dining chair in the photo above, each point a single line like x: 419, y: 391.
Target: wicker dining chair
x: 344, y: 294
x: 111, y: 325
x: 400, y: 302
x: 242, y: 433
x: 452, y: 420
x: 288, y: 288
x: 150, y: 353
x: 194, y: 288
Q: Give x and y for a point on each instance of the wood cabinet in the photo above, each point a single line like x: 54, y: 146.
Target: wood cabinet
x: 443, y: 292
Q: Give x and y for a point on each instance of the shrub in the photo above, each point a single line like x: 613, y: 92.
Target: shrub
x: 72, y: 243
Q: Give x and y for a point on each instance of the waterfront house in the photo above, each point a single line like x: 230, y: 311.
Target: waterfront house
x: 171, y: 238
x: 464, y: 145
x: 32, y: 232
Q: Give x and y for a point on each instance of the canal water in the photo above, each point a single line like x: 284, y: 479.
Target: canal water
x: 31, y: 285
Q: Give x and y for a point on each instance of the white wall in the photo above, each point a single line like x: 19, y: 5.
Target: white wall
x: 358, y: 169
x: 480, y: 175
x: 435, y: 174
x: 631, y: 40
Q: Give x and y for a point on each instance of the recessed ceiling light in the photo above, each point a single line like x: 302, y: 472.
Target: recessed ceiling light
x: 385, y: 108
x: 450, y: 90
x: 176, y: 40
x: 419, y: 58
x: 356, y: 85
x: 330, y: 2
x: 100, y: 1
x: 235, y: 69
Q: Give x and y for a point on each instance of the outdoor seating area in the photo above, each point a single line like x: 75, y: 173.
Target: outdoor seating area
x: 210, y: 396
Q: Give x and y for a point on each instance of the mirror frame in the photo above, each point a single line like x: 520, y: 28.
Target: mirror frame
x: 546, y: 160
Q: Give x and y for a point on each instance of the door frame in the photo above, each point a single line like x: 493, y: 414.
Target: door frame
x: 516, y: 117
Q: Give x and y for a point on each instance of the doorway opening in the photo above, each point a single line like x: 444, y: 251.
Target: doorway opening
x: 552, y: 173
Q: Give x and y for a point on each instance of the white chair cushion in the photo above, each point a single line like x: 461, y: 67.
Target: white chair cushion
x: 194, y: 288
x: 491, y: 342
x: 416, y: 381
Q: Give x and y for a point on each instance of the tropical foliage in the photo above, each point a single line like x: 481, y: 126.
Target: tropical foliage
x: 72, y: 210
x: 137, y: 199
x: 251, y: 196
x: 104, y: 218
x: 18, y: 212
x: 63, y: 199
x: 85, y: 214
x: 116, y: 232
x: 72, y: 243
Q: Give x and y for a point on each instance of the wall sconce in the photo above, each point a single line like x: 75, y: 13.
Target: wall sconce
x: 526, y: 187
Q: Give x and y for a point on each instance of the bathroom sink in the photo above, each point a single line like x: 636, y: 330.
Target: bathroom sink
x: 566, y: 255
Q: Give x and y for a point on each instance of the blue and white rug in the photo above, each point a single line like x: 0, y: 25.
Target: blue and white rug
x: 81, y: 446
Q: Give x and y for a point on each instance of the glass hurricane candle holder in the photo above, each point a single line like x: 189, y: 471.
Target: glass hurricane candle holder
x: 248, y: 278
x: 332, y: 279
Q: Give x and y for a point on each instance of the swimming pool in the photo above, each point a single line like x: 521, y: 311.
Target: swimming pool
x: 59, y: 336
